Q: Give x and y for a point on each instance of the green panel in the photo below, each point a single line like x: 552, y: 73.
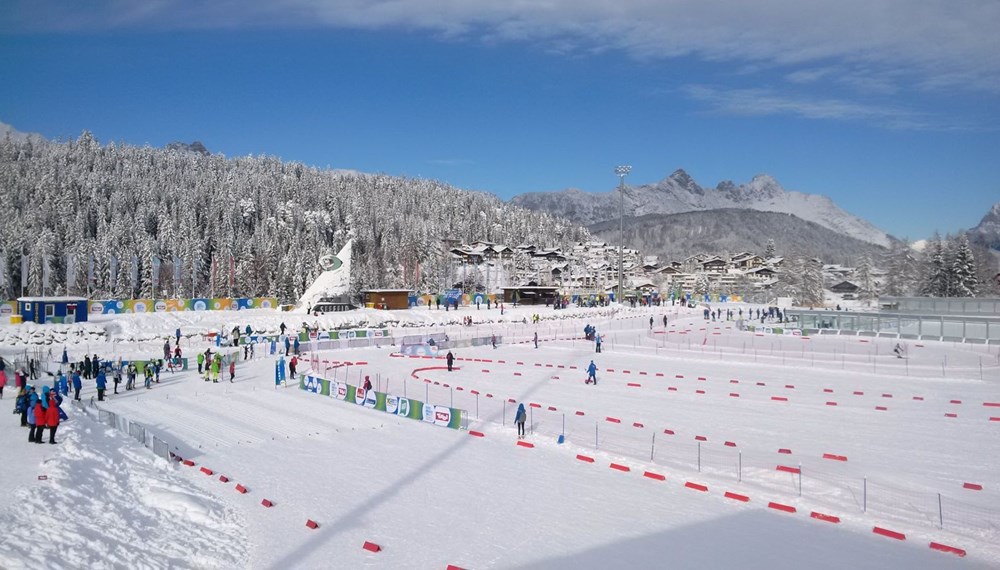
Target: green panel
x: 380, y: 401
x: 324, y: 387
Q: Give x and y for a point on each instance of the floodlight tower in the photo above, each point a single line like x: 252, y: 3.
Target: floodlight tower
x: 621, y: 172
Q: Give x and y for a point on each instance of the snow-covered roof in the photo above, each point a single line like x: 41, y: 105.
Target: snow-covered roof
x: 51, y: 299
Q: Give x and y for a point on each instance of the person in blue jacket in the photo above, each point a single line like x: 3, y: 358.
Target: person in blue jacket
x: 77, y: 385
x: 63, y: 384
x: 296, y: 346
x: 287, y: 345
x: 592, y: 373
x: 519, y: 418
x: 32, y: 399
x: 102, y: 384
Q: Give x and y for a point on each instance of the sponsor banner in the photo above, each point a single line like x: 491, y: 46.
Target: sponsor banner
x: 114, y: 306
x: 381, y: 401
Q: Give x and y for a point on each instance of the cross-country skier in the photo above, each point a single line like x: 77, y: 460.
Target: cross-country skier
x: 592, y: 373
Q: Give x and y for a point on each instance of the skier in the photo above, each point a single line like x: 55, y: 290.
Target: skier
x: 650, y: 323
x: 592, y: 373
x: 597, y: 342
x: 282, y: 327
x: 536, y: 339
x: 65, y: 356
x: 664, y: 321
x: 898, y: 350
x: 118, y: 378
x: 296, y: 346
x: 177, y: 333
x: 450, y: 359
x: 166, y: 349
x: 519, y: 419
x: 493, y: 340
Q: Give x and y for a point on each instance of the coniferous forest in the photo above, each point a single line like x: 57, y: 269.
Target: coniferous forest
x: 89, y: 218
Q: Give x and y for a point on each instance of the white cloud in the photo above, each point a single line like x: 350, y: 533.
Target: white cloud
x: 763, y: 102
x: 935, y: 44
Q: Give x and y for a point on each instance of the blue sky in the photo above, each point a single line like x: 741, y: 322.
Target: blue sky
x: 890, y: 107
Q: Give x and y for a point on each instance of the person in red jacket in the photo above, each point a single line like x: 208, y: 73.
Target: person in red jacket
x: 51, y: 418
x: 232, y: 369
x: 39, y: 420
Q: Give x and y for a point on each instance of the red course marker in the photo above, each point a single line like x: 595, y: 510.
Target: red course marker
x: 700, y: 438
x: 523, y: 443
x: 737, y: 497
x: 827, y: 518
x: 730, y: 444
x: 787, y: 469
x: 241, y: 489
x: 779, y: 398
x: 585, y: 458
x: 889, y: 533
x: 613, y: 420
x: 881, y: 408
x: 653, y: 475
x: 696, y: 487
x: 371, y: 547
x: 267, y: 503
x: 831, y: 403
x: 620, y: 467
x: 949, y: 549
x: 311, y: 524
x: 780, y: 507
x: 734, y: 395
x: 834, y: 457
x: 477, y: 433
x: 785, y: 451
x: 973, y: 486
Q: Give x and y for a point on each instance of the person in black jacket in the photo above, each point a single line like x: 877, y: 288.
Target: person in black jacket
x: 450, y: 359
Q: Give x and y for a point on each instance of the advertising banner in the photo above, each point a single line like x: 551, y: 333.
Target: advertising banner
x: 381, y: 401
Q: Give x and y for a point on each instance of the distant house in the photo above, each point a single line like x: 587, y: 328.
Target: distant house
x: 53, y: 309
x: 714, y: 265
x: 845, y: 287
x: 747, y: 261
x: 760, y: 273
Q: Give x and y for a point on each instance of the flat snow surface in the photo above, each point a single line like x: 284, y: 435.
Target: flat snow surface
x: 431, y: 496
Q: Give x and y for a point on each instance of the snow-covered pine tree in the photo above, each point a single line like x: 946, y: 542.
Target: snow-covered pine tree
x: 867, y: 290
x: 936, y: 271
x: 769, y: 251
x: 963, y: 269
x: 902, y: 270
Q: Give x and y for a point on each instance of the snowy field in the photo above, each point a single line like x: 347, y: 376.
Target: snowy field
x: 686, y: 422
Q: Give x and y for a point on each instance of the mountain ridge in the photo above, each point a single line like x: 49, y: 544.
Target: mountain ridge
x: 679, y: 193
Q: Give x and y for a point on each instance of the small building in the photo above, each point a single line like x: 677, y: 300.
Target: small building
x: 845, y: 287
x: 53, y: 309
x: 392, y: 299
x: 529, y: 295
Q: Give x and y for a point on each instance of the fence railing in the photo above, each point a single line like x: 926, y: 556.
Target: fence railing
x: 135, y: 430
x: 826, y: 482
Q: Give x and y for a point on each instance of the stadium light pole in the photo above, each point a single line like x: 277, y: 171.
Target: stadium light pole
x: 621, y: 172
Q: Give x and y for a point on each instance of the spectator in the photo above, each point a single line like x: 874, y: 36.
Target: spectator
x: 52, y: 417
x: 519, y: 418
x: 450, y: 359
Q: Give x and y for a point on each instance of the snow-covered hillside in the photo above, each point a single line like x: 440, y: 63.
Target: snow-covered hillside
x: 680, y: 193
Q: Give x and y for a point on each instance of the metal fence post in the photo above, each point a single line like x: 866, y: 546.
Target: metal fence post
x: 940, y: 512
x: 865, y: 503
x: 739, y: 467
x: 652, y: 447
x: 699, y: 457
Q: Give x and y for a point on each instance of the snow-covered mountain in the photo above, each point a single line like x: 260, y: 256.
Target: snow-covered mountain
x: 987, y: 233
x: 679, y: 193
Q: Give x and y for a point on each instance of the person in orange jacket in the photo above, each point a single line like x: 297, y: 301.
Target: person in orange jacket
x: 51, y: 418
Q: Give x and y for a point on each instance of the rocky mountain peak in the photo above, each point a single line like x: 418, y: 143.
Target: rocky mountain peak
x: 196, y: 147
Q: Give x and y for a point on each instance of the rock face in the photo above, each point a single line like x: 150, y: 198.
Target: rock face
x: 195, y: 146
x: 987, y: 233
x: 679, y: 193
